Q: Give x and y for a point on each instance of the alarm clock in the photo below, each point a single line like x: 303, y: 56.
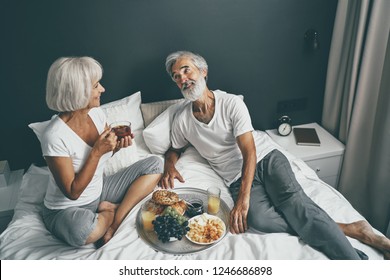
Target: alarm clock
x: 284, y: 126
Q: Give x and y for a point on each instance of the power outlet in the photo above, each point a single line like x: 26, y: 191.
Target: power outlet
x: 292, y: 105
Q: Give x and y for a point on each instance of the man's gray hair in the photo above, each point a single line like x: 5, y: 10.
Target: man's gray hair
x: 198, y: 60
x: 69, y: 83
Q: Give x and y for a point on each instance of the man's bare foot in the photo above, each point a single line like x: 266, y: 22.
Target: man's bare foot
x: 107, y: 206
x: 362, y: 231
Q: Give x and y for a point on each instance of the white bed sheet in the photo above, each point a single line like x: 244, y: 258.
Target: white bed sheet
x: 27, y: 238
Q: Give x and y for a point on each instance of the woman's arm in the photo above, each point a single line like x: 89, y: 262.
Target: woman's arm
x: 73, y: 184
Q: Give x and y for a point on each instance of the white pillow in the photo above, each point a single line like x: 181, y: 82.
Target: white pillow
x: 157, y: 135
x: 125, y: 109
x: 121, y: 159
x: 39, y: 127
x: 151, y: 110
x: 34, y: 185
x: 115, y: 110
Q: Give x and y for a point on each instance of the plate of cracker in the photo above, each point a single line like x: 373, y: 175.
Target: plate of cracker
x: 205, y: 229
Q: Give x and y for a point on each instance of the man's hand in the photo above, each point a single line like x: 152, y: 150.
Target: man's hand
x: 170, y: 171
x: 167, y: 180
x: 238, y: 216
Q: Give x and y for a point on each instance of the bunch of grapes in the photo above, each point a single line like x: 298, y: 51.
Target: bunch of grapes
x: 166, y: 226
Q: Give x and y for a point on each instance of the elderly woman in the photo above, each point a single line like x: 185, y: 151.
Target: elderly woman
x: 81, y: 206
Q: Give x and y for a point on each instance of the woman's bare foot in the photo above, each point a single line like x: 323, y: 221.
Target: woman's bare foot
x: 362, y: 231
x: 108, y: 209
x: 107, y: 206
x: 108, y: 235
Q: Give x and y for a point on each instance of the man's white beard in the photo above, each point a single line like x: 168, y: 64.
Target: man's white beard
x: 196, y: 91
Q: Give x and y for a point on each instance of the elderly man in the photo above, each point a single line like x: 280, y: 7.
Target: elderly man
x: 267, y: 196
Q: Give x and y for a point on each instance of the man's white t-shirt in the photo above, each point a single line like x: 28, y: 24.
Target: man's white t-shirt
x: 215, y: 141
x: 59, y: 140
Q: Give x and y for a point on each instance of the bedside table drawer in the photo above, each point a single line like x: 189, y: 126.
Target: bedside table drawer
x: 325, y: 167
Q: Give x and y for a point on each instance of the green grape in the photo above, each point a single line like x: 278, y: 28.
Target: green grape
x: 169, y: 211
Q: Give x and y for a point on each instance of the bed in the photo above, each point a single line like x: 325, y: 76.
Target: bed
x: 27, y: 238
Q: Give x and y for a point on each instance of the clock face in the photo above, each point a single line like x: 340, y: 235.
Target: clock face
x: 284, y: 129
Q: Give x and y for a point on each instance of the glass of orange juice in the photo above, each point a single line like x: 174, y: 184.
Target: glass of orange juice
x: 213, y: 200
x: 148, y: 217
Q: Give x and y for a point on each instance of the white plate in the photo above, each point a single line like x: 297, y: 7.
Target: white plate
x: 202, y: 220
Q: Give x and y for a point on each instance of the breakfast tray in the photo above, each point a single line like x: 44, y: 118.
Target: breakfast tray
x: 184, y: 246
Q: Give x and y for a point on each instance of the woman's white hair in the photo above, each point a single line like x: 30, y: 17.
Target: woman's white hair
x: 69, y: 83
x: 198, y: 60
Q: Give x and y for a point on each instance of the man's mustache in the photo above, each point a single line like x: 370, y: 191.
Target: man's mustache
x: 187, y: 84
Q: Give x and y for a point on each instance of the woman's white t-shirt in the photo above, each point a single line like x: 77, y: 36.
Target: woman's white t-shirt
x: 59, y: 140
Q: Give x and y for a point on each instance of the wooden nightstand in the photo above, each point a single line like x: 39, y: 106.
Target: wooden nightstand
x: 325, y: 159
x: 9, y: 197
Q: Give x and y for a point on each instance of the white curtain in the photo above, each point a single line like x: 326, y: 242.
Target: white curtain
x: 357, y: 104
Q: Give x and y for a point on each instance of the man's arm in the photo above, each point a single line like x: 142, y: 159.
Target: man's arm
x: 238, y: 215
x: 170, y: 171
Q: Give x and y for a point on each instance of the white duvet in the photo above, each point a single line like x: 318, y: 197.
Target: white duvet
x: 27, y: 238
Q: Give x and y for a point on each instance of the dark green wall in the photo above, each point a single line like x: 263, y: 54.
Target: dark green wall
x: 253, y: 47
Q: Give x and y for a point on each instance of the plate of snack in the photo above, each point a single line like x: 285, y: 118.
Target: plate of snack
x: 205, y: 229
